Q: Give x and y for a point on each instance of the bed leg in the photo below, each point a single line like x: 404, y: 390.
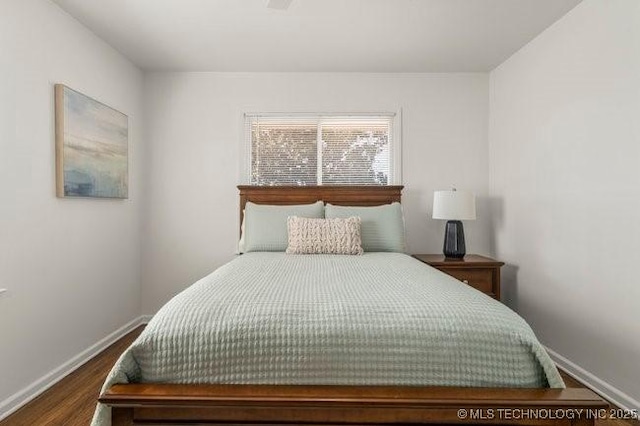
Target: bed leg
x: 121, y: 416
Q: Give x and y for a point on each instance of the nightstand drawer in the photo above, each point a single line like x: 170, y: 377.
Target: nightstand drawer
x: 480, y: 272
x: 481, y: 279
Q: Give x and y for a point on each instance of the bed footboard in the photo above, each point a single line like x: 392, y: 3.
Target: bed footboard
x: 138, y: 404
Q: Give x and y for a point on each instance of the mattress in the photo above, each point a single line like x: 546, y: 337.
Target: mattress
x: 375, y: 319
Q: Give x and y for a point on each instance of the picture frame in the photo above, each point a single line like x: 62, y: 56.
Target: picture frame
x: 92, y: 147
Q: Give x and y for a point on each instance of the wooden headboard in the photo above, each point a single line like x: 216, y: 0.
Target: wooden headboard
x: 345, y: 195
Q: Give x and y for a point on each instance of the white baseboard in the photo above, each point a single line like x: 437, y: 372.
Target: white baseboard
x: 23, y: 396
x: 144, y: 319
x: 607, y: 391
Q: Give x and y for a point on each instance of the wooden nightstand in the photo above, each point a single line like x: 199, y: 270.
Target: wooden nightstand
x: 482, y: 273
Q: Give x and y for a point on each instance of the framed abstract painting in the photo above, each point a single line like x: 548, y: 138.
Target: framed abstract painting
x: 92, y: 144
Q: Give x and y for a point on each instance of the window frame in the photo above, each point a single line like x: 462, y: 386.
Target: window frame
x: 395, y: 165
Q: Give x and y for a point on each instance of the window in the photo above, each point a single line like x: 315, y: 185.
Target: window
x: 321, y: 149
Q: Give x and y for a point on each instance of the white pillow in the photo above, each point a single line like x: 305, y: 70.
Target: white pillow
x: 324, y: 236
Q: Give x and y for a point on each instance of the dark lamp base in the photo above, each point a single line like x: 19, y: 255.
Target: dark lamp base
x: 454, y: 247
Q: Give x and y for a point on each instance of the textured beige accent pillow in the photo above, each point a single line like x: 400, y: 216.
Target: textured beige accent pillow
x: 324, y: 236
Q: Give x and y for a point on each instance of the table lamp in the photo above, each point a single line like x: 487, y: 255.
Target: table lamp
x: 454, y: 206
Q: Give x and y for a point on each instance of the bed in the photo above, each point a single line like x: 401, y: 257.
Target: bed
x: 373, y: 339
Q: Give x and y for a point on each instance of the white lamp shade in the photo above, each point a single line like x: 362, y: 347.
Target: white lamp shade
x: 454, y: 205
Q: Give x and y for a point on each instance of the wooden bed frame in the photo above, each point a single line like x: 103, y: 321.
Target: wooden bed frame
x: 139, y: 404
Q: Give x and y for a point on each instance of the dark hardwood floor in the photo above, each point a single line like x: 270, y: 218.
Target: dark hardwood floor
x: 71, y: 401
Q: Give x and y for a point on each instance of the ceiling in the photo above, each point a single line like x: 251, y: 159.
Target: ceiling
x: 318, y: 35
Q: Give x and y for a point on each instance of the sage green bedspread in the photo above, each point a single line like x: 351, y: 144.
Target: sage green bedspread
x: 376, y: 319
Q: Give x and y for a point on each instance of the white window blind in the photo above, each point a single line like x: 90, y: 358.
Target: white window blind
x: 320, y: 149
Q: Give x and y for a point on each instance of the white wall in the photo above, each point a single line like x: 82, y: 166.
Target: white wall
x: 71, y: 266
x: 565, y: 183
x: 195, y: 132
